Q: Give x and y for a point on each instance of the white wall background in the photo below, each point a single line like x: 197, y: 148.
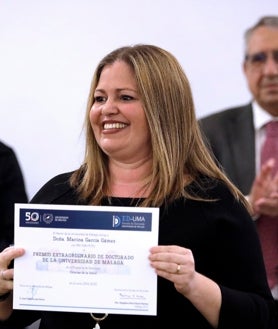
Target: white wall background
x: 49, y: 49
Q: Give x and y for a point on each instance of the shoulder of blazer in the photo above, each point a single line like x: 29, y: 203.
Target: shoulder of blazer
x: 55, y: 190
x: 229, y: 113
x: 5, y: 149
x: 229, y: 117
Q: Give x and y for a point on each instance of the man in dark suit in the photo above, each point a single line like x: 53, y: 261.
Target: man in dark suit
x: 12, y: 190
x: 236, y: 135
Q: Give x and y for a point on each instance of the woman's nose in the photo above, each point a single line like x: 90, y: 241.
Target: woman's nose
x: 109, y: 107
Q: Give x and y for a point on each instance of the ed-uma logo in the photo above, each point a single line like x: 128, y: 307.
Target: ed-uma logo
x: 116, y: 221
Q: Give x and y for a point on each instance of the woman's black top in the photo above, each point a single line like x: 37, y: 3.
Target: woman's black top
x: 226, y: 248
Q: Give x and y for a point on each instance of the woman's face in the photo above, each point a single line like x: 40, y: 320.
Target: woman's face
x: 117, y: 116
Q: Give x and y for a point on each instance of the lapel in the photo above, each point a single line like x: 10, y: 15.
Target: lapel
x: 242, y: 142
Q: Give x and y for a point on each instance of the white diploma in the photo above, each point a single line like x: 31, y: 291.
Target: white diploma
x: 85, y: 259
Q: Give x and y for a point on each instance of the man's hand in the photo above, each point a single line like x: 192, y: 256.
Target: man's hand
x: 264, y: 192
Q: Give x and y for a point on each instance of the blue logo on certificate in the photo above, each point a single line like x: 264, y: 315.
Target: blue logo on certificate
x: 86, y: 219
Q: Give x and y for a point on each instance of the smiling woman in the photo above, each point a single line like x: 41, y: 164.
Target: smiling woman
x: 144, y: 149
x: 120, y: 126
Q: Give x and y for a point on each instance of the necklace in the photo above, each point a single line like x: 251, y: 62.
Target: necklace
x: 97, y: 326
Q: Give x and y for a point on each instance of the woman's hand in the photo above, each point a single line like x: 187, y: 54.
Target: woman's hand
x: 6, y: 274
x: 177, y: 264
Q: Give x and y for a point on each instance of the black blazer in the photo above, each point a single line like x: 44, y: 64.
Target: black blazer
x: 231, y: 135
x: 12, y: 190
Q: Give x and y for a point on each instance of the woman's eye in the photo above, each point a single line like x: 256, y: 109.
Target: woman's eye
x: 126, y: 97
x: 99, y: 99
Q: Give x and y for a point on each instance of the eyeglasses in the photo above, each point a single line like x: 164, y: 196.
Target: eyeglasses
x: 258, y: 60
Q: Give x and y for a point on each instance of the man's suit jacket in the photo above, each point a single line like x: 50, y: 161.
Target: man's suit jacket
x: 231, y: 135
x: 12, y: 189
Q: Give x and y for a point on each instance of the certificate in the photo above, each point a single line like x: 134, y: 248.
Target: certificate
x: 85, y: 259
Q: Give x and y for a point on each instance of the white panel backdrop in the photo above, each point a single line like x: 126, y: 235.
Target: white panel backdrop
x: 49, y: 49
